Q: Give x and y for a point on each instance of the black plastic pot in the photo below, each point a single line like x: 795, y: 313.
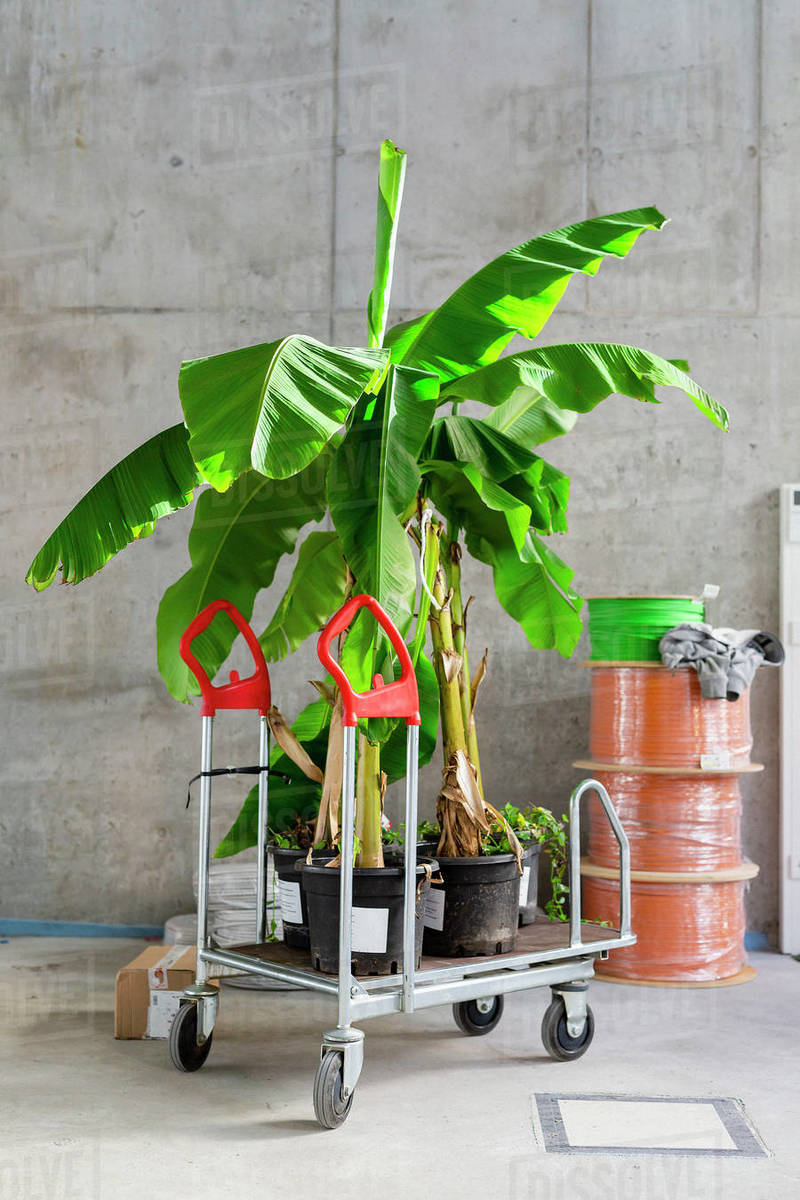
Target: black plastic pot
x: 377, y: 916
x: 295, y: 931
x: 529, y: 883
x: 475, y: 910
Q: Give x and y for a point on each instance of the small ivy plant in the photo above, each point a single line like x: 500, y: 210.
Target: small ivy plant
x: 427, y: 831
x: 536, y: 824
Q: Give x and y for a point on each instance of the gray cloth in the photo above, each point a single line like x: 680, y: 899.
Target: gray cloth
x: 725, y: 659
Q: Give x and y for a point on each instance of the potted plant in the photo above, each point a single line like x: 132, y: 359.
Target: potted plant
x: 291, y: 431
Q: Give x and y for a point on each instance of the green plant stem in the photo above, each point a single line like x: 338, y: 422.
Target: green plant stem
x: 368, y: 804
x: 453, y: 732
x: 452, y: 561
x: 452, y: 566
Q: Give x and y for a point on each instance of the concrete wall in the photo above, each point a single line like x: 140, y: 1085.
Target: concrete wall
x: 180, y: 183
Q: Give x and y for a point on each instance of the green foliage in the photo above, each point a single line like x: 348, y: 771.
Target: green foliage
x: 290, y: 803
x: 513, y: 294
x: 156, y: 479
x: 539, y: 825
x: 391, y: 176
x: 273, y: 407
x: 373, y: 481
x: 577, y: 376
x: 317, y: 588
x: 235, y: 544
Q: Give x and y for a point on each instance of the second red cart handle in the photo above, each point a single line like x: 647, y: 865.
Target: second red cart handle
x: 252, y: 692
x: 398, y: 699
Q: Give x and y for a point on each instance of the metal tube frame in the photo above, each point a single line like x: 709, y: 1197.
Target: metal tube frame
x: 592, y: 785
x: 347, y: 818
x: 495, y: 975
x: 204, y: 850
x: 263, y: 819
x: 410, y: 888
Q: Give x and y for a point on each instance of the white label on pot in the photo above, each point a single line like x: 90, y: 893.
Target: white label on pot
x: 524, y: 884
x: 289, y: 899
x: 370, y: 930
x: 434, y: 909
x: 162, y: 1012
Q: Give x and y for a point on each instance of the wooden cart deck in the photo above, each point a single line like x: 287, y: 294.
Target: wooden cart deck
x: 533, y: 942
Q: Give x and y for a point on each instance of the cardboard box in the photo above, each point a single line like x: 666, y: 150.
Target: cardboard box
x: 148, y: 991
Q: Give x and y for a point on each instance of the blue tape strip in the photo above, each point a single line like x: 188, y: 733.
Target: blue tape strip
x: 10, y: 927
x: 754, y: 939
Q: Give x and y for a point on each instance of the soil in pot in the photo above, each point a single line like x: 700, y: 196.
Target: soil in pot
x: 475, y: 910
x: 377, y: 916
x: 529, y: 883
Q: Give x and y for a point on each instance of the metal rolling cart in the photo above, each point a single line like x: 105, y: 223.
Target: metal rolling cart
x: 559, y: 955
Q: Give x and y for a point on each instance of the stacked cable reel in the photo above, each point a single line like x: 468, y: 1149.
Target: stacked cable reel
x: 671, y: 761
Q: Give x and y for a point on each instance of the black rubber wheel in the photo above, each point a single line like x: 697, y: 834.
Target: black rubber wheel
x: 330, y: 1108
x: 184, y: 1051
x: 470, y: 1020
x: 557, y: 1040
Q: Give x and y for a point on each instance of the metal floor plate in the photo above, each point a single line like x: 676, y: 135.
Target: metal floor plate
x: 661, y: 1125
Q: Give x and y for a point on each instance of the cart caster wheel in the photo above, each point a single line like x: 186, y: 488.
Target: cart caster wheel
x: 557, y: 1040
x: 184, y: 1051
x: 476, y: 1017
x: 330, y: 1108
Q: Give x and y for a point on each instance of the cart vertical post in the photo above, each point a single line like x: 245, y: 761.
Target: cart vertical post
x: 263, y: 819
x: 346, y: 874
x: 410, y: 890
x: 203, y: 850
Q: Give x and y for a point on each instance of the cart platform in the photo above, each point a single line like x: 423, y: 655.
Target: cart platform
x: 546, y: 954
x: 535, y: 943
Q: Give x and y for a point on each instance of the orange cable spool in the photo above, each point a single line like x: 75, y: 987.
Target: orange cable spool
x: 673, y: 823
x: 687, y: 932
x: 653, y: 716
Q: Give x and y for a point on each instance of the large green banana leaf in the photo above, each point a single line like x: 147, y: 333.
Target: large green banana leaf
x: 373, y: 481
x: 577, y: 376
x: 515, y: 293
x: 317, y: 589
x: 458, y: 438
x: 530, y: 418
x: 156, y: 479
x: 391, y: 175
x: 235, y: 544
x: 534, y: 589
x: 532, y: 584
x: 271, y: 407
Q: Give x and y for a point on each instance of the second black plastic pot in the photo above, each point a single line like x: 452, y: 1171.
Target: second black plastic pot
x: 294, y: 911
x: 377, y: 916
x: 475, y: 910
x: 529, y: 883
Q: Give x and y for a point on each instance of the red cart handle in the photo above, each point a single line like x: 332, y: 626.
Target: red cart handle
x: 253, y: 692
x: 398, y: 699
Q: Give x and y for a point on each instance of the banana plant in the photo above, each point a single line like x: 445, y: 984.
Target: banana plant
x: 372, y: 441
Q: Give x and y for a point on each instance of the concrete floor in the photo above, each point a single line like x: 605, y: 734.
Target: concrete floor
x: 435, y: 1113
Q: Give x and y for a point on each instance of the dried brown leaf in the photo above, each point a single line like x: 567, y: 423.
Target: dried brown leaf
x: 291, y: 746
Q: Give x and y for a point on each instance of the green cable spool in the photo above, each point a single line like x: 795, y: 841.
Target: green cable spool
x: 629, y: 628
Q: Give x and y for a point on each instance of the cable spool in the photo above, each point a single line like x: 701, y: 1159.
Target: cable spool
x: 629, y: 628
x: 673, y: 823
x: 686, y: 932
x: 648, y: 715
